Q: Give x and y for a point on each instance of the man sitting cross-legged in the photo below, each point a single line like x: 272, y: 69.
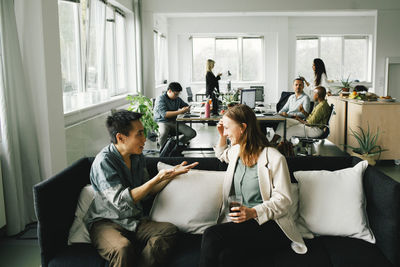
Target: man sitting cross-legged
x: 117, y: 226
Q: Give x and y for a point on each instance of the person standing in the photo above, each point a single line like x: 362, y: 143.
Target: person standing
x: 259, y: 174
x: 166, y: 108
x: 212, y: 85
x: 117, y: 226
x: 320, y: 76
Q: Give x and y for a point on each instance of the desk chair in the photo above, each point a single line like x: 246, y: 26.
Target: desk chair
x: 308, y: 142
x: 282, y: 101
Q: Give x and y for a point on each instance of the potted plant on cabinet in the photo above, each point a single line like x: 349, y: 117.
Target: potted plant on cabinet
x: 143, y: 104
x: 346, y: 84
x: 367, y: 145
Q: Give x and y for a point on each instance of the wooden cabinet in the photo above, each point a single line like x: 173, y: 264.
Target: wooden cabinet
x: 338, y: 122
x: 377, y: 115
x: 382, y: 116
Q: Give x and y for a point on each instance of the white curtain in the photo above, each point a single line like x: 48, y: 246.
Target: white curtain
x: 19, y: 143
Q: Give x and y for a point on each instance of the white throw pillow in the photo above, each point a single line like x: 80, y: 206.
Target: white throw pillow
x: 78, y: 233
x: 191, y: 201
x: 333, y: 202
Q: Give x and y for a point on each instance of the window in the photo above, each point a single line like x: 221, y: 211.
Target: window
x: 242, y: 56
x: 344, y: 56
x: 95, y: 69
x: 71, y: 64
x: 160, y: 58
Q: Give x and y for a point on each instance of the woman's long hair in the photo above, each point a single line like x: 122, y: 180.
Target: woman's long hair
x: 319, y: 70
x: 210, y: 64
x: 252, y: 141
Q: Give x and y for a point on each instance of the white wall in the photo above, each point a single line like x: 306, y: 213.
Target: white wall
x: 325, y: 25
x: 273, y: 29
x: 386, y: 32
x: 387, y: 43
x: 279, y: 34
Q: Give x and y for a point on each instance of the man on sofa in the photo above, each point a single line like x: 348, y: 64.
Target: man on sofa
x: 115, y: 220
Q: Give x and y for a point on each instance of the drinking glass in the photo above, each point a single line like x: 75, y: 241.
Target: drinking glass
x: 234, y: 201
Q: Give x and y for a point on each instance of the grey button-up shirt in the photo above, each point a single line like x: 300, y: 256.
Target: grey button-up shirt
x: 292, y: 105
x: 112, y: 181
x: 164, y: 104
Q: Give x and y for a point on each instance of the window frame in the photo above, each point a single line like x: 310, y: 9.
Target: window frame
x: 240, y: 56
x: 158, y: 53
x: 117, y: 96
x: 343, y: 37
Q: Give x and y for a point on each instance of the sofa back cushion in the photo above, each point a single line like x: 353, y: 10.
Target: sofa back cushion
x: 191, y: 201
x: 333, y: 202
x: 78, y: 233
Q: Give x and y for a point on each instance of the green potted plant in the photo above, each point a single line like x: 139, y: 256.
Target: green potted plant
x: 143, y: 104
x: 367, y: 148
x: 346, y: 84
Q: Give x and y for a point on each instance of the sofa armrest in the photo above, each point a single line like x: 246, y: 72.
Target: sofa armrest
x: 55, y: 201
x: 383, y: 208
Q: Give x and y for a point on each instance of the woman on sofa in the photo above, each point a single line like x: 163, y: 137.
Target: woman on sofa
x: 259, y: 174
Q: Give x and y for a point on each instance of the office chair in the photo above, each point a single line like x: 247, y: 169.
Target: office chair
x: 308, y: 142
x: 282, y: 101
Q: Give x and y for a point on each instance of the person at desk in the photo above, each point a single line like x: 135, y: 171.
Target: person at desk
x: 166, y: 108
x: 212, y: 86
x: 297, y: 104
x: 320, y: 76
x: 259, y: 174
x: 313, y: 126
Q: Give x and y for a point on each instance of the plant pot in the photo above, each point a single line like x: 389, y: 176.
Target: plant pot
x: 370, y: 158
x: 344, y: 89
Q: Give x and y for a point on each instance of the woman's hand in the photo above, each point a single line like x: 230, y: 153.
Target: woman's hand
x: 242, y: 214
x: 169, y: 174
x: 220, y: 128
x: 301, y: 109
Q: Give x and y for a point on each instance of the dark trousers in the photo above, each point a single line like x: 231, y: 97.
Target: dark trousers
x: 233, y: 244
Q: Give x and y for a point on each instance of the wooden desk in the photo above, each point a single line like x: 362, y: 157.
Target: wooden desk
x: 182, y: 119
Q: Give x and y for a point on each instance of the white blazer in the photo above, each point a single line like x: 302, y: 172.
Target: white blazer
x: 274, y: 182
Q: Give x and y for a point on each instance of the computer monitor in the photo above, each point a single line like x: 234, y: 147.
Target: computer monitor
x: 259, y: 93
x: 248, y: 97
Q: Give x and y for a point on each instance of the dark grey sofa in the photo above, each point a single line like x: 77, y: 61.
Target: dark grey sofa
x: 56, y: 199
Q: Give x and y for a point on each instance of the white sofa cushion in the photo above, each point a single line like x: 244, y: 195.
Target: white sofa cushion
x: 333, y: 202
x: 78, y: 233
x: 191, y: 201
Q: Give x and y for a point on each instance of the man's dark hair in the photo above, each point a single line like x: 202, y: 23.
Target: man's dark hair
x: 175, y: 87
x: 298, y: 79
x: 321, y: 92
x: 120, y: 122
